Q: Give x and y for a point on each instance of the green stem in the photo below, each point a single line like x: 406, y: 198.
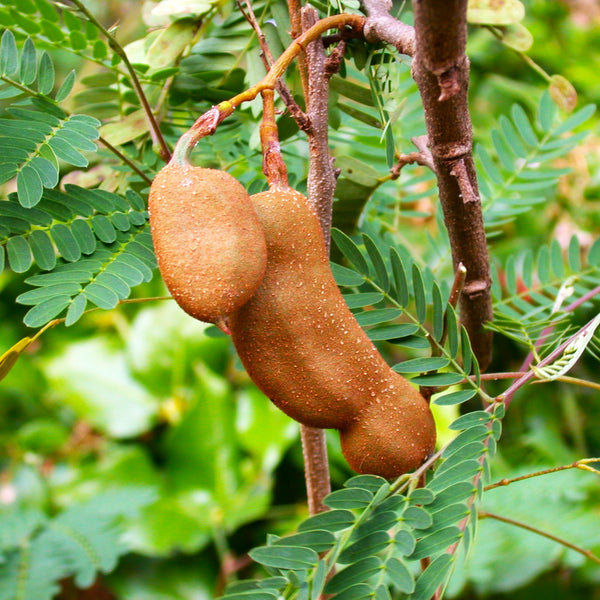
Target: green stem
x: 125, y: 159
x: 120, y: 52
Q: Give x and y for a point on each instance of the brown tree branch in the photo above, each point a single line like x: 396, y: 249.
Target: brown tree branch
x: 321, y: 185
x: 380, y: 26
x: 441, y: 71
x: 267, y: 58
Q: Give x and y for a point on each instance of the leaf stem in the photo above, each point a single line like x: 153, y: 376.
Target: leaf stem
x: 554, y: 538
x: 120, y: 52
x: 125, y: 159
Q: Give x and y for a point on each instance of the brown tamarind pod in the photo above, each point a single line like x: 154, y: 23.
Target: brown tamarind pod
x: 392, y: 436
x: 304, y: 349
x: 209, y: 244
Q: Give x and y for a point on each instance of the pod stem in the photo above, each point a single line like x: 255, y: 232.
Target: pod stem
x: 273, y: 166
x: 209, y: 121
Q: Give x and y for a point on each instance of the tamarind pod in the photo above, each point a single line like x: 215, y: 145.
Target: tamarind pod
x: 209, y: 244
x: 300, y: 343
x: 392, y: 436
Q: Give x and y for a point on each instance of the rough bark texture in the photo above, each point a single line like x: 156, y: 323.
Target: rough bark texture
x: 321, y: 185
x: 380, y: 26
x: 441, y: 70
x: 321, y: 175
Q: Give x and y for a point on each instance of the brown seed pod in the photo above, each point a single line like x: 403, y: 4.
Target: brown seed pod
x: 209, y: 244
x: 304, y: 349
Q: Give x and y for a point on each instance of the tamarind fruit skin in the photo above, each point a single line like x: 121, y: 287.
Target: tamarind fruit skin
x: 392, y: 436
x: 304, y: 349
x: 209, y: 244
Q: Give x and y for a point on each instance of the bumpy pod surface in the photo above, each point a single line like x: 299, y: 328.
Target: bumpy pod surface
x: 209, y: 243
x: 304, y: 349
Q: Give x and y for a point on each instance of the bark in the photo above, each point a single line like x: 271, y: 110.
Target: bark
x: 441, y: 71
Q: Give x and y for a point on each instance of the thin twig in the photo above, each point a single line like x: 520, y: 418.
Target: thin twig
x: 155, y: 131
x: 576, y: 465
x: 125, y: 159
x: 554, y: 538
x: 267, y: 57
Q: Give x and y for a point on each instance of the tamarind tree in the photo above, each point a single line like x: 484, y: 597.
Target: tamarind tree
x: 141, y: 461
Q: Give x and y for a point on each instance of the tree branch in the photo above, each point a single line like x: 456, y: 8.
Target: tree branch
x: 321, y: 185
x: 380, y: 26
x: 441, y: 71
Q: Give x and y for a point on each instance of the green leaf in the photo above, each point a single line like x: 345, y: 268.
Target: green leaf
x: 392, y: 332
x: 421, y: 365
x: 285, y: 557
x: 101, y: 296
x: 360, y: 591
x: 417, y: 517
x: 9, y: 55
x: 46, y: 311
x: 362, y: 299
x: 46, y: 171
x: 348, y: 498
x: 463, y: 471
x: 104, y: 229
x: 65, y: 242
x: 473, y: 450
x: 432, y: 577
x: 83, y: 236
x: 400, y: 279
x: 436, y: 542
x: 419, y: 291
x: 46, y: 74
x: 405, y: 542
x: 75, y: 310
x: 350, y: 250
x: 42, y: 249
x: 356, y: 573
x: 546, y: 112
x: 575, y: 120
x: 452, y: 398
x: 346, y: 277
x: 19, y: 254
x: 381, y: 274
x: 371, y: 483
x: 400, y: 575
x: 523, y: 125
x: 332, y: 520
x: 29, y: 186
x: 64, y: 151
x: 317, y: 540
x: 466, y: 437
x: 437, y: 316
x: 28, y: 66
x: 66, y: 87
x: 377, y: 316
x: 365, y: 546
x: 477, y: 417
x: 438, y: 379
x: 38, y: 295
x: 421, y: 496
x: 452, y: 495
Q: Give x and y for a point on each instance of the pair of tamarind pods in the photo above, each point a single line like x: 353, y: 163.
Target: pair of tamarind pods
x: 257, y: 266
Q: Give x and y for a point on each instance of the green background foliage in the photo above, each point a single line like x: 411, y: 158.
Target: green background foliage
x: 136, y: 455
